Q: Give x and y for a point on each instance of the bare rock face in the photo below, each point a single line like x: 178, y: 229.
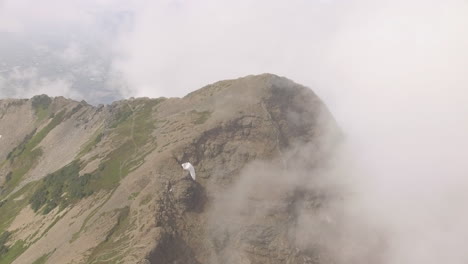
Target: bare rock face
x: 85, y: 184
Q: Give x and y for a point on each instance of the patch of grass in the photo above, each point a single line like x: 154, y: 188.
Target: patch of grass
x: 13, y: 252
x: 25, y: 155
x: 42, y: 259
x: 40, y: 104
x: 76, y: 235
x: 21, y: 147
x: 129, y: 155
x: 122, y: 220
x: 108, y: 251
x: 58, y: 118
x: 13, y: 205
x: 41, y: 101
x: 133, y: 196
x: 61, y: 188
x: 21, y: 166
x: 121, y: 116
x: 74, y: 110
x: 3, y: 240
x: 132, y: 129
x: 42, y: 113
x: 9, y: 176
x: 200, y: 117
x: 113, y: 169
x: 145, y: 199
x: 95, y: 139
x: 134, y: 132
x: 139, y: 119
x: 48, y: 228
x: 144, y: 123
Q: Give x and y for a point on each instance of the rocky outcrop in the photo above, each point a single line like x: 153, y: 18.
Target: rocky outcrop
x: 107, y: 186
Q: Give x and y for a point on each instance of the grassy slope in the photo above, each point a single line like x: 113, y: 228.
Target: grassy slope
x: 23, y: 158
x: 131, y: 133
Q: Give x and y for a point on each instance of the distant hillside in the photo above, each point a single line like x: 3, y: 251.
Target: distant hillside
x: 86, y: 184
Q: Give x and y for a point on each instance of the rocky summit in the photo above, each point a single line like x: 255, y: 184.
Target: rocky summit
x: 104, y: 184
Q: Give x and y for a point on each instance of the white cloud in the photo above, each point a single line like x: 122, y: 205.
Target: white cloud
x: 26, y: 15
x: 73, y: 53
x: 392, y: 71
x: 175, y: 47
x: 25, y: 83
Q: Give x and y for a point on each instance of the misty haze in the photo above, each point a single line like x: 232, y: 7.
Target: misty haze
x: 237, y: 132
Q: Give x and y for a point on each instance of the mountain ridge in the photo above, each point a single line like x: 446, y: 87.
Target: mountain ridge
x: 103, y: 184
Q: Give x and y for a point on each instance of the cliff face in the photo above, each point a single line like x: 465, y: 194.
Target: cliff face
x: 85, y: 184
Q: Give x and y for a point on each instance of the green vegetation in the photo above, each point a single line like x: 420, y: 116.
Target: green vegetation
x: 42, y: 114
x: 21, y: 166
x: 114, y: 168
x: 21, y: 147
x: 58, y: 118
x: 8, y: 176
x: 108, y: 251
x: 41, y: 105
x: 25, y: 155
x: 13, y: 252
x: 134, y: 131
x: 74, y: 110
x: 131, y: 132
x: 88, y: 146
x: 85, y: 222
x: 144, y: 123
x: 133, y: 196
x: 121, y: 116
x: 61, y: 188
x: 3, y: 239
x: 65, y: 186
x: 140, y: 123
x: 41, y: 101
x: 200, y: 117
x: 42, y: 259
x: 145, y: 200
x: 8, y: 212
x: 132, y: 128
x: 13, y: 205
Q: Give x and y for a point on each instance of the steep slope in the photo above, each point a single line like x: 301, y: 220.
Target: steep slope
x: 85, y: 184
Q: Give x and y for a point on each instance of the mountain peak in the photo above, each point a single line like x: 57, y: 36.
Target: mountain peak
x: 79, y: 182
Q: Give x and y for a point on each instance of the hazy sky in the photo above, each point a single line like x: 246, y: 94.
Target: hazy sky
x: 104, y: 49
x: 393, y: 72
